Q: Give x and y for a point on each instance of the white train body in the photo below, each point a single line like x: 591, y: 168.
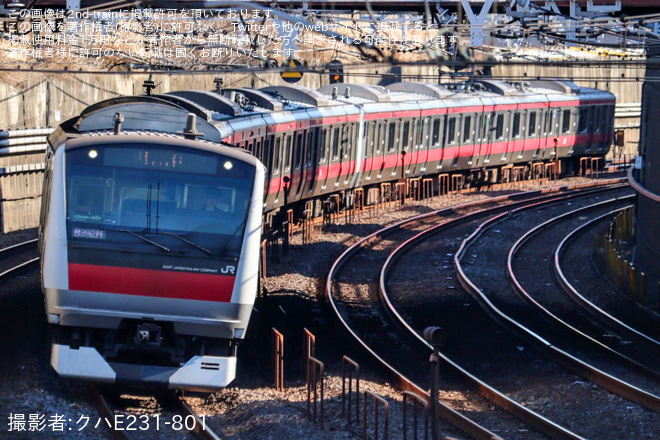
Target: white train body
x: 143, y: 283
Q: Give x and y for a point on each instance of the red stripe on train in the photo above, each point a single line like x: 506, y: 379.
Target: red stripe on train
x: 147, y: 282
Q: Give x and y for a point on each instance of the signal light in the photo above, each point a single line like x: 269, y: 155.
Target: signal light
x: 336, y: 70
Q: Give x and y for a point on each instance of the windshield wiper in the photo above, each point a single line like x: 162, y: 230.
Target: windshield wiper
x: 166, y: 249
x: 187, y: 241
x: 223, y: 251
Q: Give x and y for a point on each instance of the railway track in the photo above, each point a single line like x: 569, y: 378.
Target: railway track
x: 352, y: 294
x: 144, y: 416
x: 18, y: 258
x: 618, y: 312
x: 495, y: 237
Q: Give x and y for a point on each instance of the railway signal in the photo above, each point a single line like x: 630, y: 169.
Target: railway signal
x: 336, y: 71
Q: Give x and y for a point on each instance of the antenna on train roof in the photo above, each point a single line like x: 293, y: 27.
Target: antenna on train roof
x: 148, y: 86
x: 190, y: 131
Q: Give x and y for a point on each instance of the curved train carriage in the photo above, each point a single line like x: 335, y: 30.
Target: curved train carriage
x: 151, y: 227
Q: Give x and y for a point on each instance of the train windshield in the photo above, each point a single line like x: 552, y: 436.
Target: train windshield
x: 157, y: 197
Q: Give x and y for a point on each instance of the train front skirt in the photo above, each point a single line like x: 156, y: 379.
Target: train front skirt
x: 203, y: 373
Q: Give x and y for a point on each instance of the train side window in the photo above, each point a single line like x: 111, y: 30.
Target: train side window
x: 583, y: 120
x: 499, y: 126
x: 531, y: 131
x: 435, y: 138
x: 566, y: 121
x: 467, y: 129
x: 515, y: 127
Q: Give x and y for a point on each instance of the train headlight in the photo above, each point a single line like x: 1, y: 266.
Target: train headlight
x: 228, y: 165
x: 93, y: 154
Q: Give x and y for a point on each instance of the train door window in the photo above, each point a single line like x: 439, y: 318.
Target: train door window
x: 335, y: 143
x: 288, y: 140
x: 531, y: 130
x: 450, y: 131
x: 380, y: 136
x: 405, y: 137
x: 425, y: 126
x: 392, y: 139
x: 435, y: 134
x: 499, y: 126
x: 311, y: 145
x: 370, y: 141
x: 515, y: 127
x: 300, y: 144
x: 597, y: 120
x: 483, y: 128
x: 566, y: 121
x: 322, y: 143
x: 467, y: 129
x: 276, y: 155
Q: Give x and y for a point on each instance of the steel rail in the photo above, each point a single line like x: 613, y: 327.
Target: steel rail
x: 499, y: 398
x: 524, y: 295
x: 560, y: 356
x: 449, y: 414
x: 201, y: 427
x: 14, y: 248
x: 107, y: 413
x: 597, y: 312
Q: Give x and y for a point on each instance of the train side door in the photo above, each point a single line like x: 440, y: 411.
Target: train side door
x: 422, y: 142
x: 309, y: 162
x: 298, y: 156
x: 531, y: 135
x: 369, y: 149
x: 348, y: 149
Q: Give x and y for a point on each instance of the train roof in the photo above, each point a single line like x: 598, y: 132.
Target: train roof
x: 220, y: 113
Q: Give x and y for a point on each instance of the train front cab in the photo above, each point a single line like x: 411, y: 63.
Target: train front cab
x: 142, y: 284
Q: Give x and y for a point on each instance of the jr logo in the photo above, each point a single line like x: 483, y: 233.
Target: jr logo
x: 228, y: 270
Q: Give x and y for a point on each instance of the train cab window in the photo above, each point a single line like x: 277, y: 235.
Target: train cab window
x: 499, y: 126
x: 117, y: 194
x: 435, y: 136
x: 566, y: 121
x: 450, y: 131
x: 467, y: 129
x: 515, y: 127
x: 531, y: 131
